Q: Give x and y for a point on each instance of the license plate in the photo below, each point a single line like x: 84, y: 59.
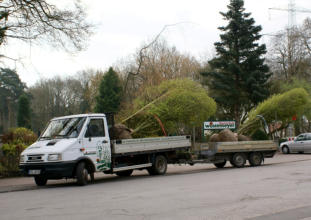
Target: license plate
x: 34, y: 172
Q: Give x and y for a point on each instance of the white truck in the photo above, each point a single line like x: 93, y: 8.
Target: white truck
x: 77, y: 146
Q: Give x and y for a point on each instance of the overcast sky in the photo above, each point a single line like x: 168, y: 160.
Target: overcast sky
x: 123, y: 25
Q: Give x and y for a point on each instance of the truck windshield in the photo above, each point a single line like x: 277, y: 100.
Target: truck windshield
x: 64, y: 128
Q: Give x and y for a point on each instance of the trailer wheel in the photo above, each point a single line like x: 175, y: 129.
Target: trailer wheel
x: 82, y: 174
x: 255, y: 159
x: 220, y: 165
x: 124, y: 173
x: 41, y: 180
x: 159, y: 166
x: 238, y: 160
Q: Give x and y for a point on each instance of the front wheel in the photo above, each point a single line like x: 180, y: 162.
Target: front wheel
x: 159, y: 166
x: 285, y: 150
x: 41, y: 180
x: 82, y: 174
x: 220, y: 165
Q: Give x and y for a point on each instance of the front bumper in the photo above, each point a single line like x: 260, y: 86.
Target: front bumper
x: 51, y: 170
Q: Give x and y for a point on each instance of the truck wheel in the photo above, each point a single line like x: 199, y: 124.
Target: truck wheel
x: 159, y: 166
x: 285, y: 150
x: 41, y: 180
x: 82, y: 174
x: 255, y: 159
x: 124, y: 173
x: 238, y: 160
x: 220, y: 165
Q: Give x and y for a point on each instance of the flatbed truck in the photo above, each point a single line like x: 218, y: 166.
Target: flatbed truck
x: 77, y: 146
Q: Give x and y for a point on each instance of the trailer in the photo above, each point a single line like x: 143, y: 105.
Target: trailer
x: 77, y: 146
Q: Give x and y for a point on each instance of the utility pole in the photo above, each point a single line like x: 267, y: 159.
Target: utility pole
x: 292, y: 10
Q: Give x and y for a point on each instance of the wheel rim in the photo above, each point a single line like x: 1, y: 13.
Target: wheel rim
x: 161, y: 165
x: 256, y: 158
x: 85, y: 175
x: 239, y: 160
x: 285, y: 150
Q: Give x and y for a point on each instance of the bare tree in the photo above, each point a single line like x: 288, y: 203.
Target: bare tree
x: 290, y: 52
x: 39, y: 20
x: 159, y: 62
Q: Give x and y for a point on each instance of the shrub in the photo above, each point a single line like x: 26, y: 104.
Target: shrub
x: 14, y: 142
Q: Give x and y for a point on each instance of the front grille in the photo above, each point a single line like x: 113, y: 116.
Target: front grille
x: 35, y: 158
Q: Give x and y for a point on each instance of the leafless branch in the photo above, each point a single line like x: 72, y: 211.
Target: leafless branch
x: 141, y: 52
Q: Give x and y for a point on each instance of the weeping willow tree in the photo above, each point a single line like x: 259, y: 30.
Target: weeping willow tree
x: 281, y: 107
x: 173, y: 107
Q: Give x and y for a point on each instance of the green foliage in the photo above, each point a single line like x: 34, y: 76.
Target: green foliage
x: 259, y: 135
x: 14, y: 142
x: 299, y: 83
x: 179, y: 104
x: 238, y: 76
x: 11, y: 87
x: 23, y: 112
x: 110, y: 93
x: 282, y: 106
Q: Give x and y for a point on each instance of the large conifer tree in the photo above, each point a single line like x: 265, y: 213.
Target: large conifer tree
x: 110, y: 93
x: 238, y: 76
x: 23, y: 112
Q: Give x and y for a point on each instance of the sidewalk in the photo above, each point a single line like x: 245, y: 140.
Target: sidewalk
x: 13, y: 184
x: 16, y: 184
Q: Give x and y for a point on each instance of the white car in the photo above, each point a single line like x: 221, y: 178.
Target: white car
x: 301, y: 144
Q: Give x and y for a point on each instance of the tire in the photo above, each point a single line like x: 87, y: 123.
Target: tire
x: 255, y: 159
x: 40, y: 180
x: 82, y: 174
x: 238, y: 160
x: 285, y: 150
x: 124, y: 173
x: 220, y: 165
x: 159, y: 166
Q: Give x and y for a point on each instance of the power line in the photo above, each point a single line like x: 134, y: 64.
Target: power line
x: 292, y: 10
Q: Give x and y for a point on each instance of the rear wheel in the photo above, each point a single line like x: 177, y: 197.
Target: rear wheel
x: 285, y: 150
x: 40, y: 180
x: 82, y: 174
x: 159, y: 166
x: 255, y: 159
x: 124, y: 173
x: 220, y: 165
x: 238, y: 160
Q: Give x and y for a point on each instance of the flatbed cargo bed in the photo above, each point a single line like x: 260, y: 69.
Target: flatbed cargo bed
x: 138, y: 145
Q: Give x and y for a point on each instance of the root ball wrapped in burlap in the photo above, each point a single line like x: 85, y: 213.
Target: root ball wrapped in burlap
x: 120, y: 131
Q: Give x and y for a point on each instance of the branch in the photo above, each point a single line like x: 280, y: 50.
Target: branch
x: 141, y: 56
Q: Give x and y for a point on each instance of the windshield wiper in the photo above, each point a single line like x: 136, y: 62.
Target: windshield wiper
x: 46, y: 138
x: 60, y: 136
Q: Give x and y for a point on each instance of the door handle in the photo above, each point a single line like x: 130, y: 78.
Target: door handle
x: 105, y: 142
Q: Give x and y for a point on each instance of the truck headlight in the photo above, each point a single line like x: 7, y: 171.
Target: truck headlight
x: 54, y: 157
x: 22, y: 159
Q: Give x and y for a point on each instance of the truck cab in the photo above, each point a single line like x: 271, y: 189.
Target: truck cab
x: 65, y: 143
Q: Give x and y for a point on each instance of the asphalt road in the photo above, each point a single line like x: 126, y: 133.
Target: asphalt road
x: 280, y: 189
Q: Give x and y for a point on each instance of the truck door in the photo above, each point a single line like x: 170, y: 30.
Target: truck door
x: 97, y: 144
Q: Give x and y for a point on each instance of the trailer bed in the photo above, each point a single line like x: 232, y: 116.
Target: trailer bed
x: 241, y: 146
